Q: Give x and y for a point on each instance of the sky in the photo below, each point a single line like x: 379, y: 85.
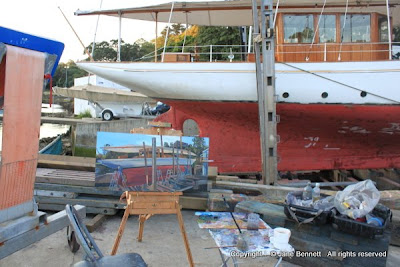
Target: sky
x: 123, y: 139
x: 43, y: 18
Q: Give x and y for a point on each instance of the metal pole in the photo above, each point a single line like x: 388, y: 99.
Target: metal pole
x: 95, y: 32
x: 145, y: 163
x: 389, y: 30
x: 265, y: 76
x: 249, y: 42
x: 153, y: 164
x: 210, y: 53
x: 119, y: 37
x: 187, y: 27
x: 166, y: 36
x: 66, y: 76
x: 173, y: 159
x: 162, y: 146
x: 155, y: 43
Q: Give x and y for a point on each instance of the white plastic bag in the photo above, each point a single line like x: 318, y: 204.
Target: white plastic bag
x: 357, y: 200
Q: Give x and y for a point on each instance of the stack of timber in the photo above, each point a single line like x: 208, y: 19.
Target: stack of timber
x: 54, y: 188
x: 71, y: 180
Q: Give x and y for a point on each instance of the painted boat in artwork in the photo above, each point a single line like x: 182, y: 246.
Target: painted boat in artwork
x: 132, y: 172
x: 338, y: 108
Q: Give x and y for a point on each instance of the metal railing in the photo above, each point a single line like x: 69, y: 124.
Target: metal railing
x: 231, y: 53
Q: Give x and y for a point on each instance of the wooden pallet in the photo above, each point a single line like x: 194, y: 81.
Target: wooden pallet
x: 65, y: 177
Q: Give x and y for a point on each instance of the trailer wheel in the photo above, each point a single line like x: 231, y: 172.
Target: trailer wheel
x: 72, y: 242
x: 107, y: 115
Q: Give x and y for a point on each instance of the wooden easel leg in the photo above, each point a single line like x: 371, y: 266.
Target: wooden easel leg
x: 142, y: 219
x: 120, y: 232
x: 183, y: 231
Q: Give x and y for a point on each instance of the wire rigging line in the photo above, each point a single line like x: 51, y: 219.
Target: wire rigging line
x: 342, y: 32
x: 337, y: 82
x: 316, y: 30
x: 166, y: 35
x: 95, y: 31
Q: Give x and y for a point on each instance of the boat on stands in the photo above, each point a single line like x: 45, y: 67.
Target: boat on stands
x: 337, y: 86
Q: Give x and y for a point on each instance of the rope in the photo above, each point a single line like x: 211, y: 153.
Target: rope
x: 316, y: 30
x: 344, y: 25
x: 343, y: 84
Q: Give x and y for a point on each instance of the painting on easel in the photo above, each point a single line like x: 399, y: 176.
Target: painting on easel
x: 124, y: 162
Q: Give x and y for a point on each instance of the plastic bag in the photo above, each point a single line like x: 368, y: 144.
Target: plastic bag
x: 357, y: 200
x: 324, y: 204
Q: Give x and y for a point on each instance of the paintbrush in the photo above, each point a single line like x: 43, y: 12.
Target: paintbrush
x: 233, y: 217
x: 220, y: 247
x: 241, y: 243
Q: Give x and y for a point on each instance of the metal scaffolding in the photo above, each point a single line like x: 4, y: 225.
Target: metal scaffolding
x: 264, y: 47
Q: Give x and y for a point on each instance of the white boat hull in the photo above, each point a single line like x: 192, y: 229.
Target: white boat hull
x: 304, y: 83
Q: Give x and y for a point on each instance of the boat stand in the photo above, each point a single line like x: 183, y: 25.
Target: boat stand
x: 147, y: 204
x: 22, y: 73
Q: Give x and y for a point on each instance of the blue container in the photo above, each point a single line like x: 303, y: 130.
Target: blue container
x: 32, y: 42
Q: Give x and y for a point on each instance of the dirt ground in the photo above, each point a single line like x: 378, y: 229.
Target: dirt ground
x: 162, y: 245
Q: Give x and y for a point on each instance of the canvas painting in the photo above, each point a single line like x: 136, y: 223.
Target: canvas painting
x: 124, y: 161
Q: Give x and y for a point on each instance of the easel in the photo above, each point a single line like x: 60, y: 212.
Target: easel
x: 146, y: 204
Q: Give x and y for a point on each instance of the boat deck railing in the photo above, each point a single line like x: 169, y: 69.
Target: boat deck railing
x: 290, y: 52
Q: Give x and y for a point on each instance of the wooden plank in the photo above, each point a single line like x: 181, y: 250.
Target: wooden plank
x: 157, y: 131
x: 104, y: 191
x: 91, y: 210
x: 159, y: 124
x: 65, y: 177
x: 66, y: 162
x: 94, y: 223
x: 152, y: 211
x: 86, y: 201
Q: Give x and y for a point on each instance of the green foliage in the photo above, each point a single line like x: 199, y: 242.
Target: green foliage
x: 396, y: 33
x: 108, y: 51
x: 84, y: 152
x: 199, y: 145
x: 84, y: 114
x: 66, y: 73
x: 209, y: 35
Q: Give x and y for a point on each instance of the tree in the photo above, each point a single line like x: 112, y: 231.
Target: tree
x: 69, y: 71
x: 103, y: 51
x: 396, y: 33
x: 199, y: 145
x: 229, y: 36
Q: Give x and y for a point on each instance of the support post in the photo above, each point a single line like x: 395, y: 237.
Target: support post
x: 119, y: 37
x: 153, y: 164
x: 266, y: 88
x: 155, y: 42
x: 389, y: 29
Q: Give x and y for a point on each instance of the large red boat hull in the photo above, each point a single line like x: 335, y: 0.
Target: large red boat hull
x: 312, y: 136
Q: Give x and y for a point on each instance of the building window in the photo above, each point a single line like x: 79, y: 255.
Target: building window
x: 357, y: 28
x: 383, y: 29
x: 327, y: 29
x: 298, y: 28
